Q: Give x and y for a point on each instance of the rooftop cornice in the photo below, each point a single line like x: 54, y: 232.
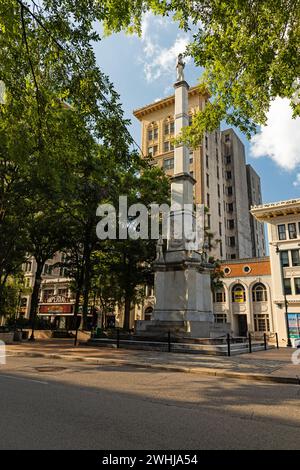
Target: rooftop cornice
x: 276, y: 209
x: 150, y: 108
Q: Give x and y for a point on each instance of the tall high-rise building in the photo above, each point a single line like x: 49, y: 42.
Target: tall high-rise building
x: 244, y: 235
x: 255, y: 199
x: 218, y: 167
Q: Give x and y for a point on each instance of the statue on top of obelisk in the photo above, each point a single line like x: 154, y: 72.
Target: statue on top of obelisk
x: 180, y: 68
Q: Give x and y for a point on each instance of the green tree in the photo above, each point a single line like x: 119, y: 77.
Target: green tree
x: 248, y: 48
x: 127, y: 264
x: 57, y: 105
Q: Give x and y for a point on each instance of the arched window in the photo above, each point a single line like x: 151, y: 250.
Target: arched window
x: 259, y: 293
x: 148, y: 313
x: 219, y: 295
x: 238, y: 294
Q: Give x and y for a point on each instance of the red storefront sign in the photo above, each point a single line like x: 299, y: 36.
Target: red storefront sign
x: 56, y: 309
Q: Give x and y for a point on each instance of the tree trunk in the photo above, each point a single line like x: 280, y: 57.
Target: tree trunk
x: 127, y: 305
x: 35, y: 296
x: 86, y: 288
x: 76, y: 308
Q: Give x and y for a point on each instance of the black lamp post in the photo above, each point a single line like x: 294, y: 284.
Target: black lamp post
x: 289, y: 343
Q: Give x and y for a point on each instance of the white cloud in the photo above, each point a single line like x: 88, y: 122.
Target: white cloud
x: 297, y: 181
x: 279, y: 139
x: 159, y: 60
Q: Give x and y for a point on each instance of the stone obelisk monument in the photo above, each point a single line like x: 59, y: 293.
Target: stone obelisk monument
x: 182, y: 278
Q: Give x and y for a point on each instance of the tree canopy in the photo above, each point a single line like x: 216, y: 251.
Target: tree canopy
x: 248, y: 48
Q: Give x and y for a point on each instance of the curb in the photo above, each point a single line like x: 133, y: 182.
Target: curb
x: 199, y: 371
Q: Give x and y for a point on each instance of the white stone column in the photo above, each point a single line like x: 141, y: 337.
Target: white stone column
x: 182, y: 193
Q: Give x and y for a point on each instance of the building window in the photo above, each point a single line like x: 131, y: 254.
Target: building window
x: 168, y: 163
x: 148, y: 313
x: 229, y: 191
x: 246, y: 269
x: 206, y: 142
x: 228, y: 175
x: 228, y: 159
x: 190, y: 120
x: 207, y: 180
x: 231, y: 241
x: 46, y: 294
x: 208, y: 221
x: 207, y: 161
x: 230, y: 224
x: 297, y: 285
x: 220, y: 229
x: 295, y: 257
x: 219, y: 192
x: 287, y: 286
x: 261, y: 322
x: 284, y: 258
x: 152, y: 151
x: 63, y: 272
x: 238, y: 294
x: 227, y: 138
x: 226, y: 271
x: 220, y: 296
x: 153, y: 133
x: 191, y: 157
x: 219, y: 209
x: 63, y: 291
x: 233, y: 256
x: 221, y: 250
x: 220, y: 318
x: 28, y: 266
x: 217, y: 155
x: 169, y: 128
x: 208, y: 200
x: 292, y: 231
x: 259, y: 293
x: 149, y: 290
x: 230, y: 207
x: 281, y: 232
x: 168, y: 146
x: 48, y: 268
x: 218, y: 172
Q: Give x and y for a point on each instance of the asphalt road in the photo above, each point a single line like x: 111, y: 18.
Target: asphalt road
x: 64, y: 405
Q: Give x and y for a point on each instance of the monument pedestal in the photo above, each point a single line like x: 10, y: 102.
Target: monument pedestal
x: 183, y: 294
x: 183, y: 298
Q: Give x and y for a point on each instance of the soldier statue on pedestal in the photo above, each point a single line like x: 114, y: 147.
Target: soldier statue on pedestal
x: 180, y: 68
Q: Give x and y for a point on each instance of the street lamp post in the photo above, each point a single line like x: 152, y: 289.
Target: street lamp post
x: 289, y: 343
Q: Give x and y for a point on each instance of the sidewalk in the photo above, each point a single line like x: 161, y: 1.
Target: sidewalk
x: 274, y: 365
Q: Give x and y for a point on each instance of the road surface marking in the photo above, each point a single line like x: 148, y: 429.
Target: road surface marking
x: 23, y: 378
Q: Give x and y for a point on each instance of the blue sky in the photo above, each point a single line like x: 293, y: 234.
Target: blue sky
x: 143, y: 70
